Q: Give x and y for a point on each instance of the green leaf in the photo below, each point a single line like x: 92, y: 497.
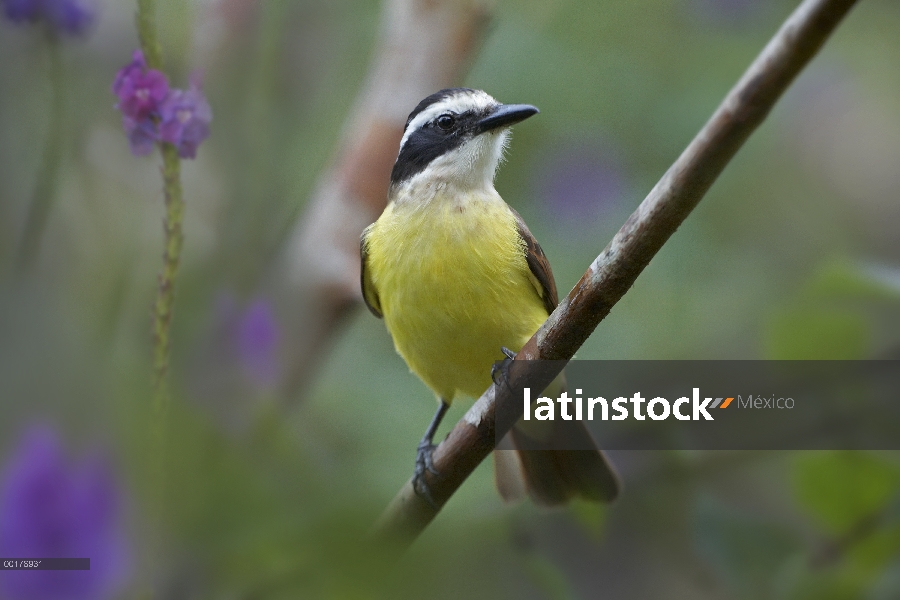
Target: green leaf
x: 840, y: 488
x: 862, y: 281
x: 591, y: 516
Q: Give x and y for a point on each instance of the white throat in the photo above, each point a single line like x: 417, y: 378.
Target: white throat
x: 469, y: 168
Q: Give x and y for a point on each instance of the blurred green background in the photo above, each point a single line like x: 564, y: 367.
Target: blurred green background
x: 794, y: 253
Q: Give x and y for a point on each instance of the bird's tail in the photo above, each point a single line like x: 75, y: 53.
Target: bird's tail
x: 551, y: 476
x: 541, y: 467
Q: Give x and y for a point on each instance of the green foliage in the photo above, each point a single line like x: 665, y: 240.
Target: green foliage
x: 591, y: 516
x: 853, y: 497
x: 835, y: 313
x: 862, y: 282
x: 843, y: 489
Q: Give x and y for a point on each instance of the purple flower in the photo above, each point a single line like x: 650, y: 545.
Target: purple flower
x: 141, y: 135
x: 68, y: 16
x: 52, y: 509
x: 152, y: 112
x: 256, y: 338
x: 71, y: 16
x: 19, y: 11
x: 185, y: 119
x: 140, y: 90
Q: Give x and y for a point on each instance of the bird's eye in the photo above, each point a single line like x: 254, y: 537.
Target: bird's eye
x: 446, y: 121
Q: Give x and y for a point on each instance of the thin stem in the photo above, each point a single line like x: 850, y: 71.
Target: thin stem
x: 163, y: 308
x: 145, y: 20
x: 48, y: 174
x: 165, y: 297
x: 162, y: 320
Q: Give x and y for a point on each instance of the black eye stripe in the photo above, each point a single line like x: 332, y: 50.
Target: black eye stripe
x: 430, y: 140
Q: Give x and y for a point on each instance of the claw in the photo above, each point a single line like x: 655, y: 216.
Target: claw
x: 424, y: 463
x: 503, y: 367
x: 424, y: 460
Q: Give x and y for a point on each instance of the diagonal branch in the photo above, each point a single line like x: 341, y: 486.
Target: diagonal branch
x: 425, y: 45
x: 615, y: 270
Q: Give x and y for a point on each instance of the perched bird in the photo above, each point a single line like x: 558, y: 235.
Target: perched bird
x: 458, y: 277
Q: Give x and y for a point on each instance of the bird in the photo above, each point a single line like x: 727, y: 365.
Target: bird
x: 460, y: 282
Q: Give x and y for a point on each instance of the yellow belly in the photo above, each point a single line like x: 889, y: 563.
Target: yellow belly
x: 454, y: 287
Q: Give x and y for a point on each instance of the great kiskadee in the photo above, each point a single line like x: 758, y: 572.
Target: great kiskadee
x: 458, y: 276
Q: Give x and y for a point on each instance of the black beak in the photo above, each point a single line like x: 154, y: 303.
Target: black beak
x: 505, y: 115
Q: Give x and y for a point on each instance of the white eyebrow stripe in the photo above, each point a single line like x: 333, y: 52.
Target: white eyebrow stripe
x: 457, y: 103
x: 427, y: 115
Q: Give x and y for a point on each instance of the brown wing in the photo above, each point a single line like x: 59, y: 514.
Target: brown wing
x: 370, y: 295
x: 539, y: 265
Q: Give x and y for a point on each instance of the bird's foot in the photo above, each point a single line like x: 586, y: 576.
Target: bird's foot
x: 424, y: 462
x: 503, y: 367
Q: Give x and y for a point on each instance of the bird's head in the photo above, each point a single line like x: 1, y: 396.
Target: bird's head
x: 456, y: 137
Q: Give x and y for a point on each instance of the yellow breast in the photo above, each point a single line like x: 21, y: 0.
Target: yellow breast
x: 454, y: 287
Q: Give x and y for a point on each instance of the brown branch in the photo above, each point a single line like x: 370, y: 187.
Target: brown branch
x: 425, y: 45
x: 615, y: 270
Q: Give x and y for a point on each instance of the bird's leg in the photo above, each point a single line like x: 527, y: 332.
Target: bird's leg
x: 503, y: 368
x: 423, y: 456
